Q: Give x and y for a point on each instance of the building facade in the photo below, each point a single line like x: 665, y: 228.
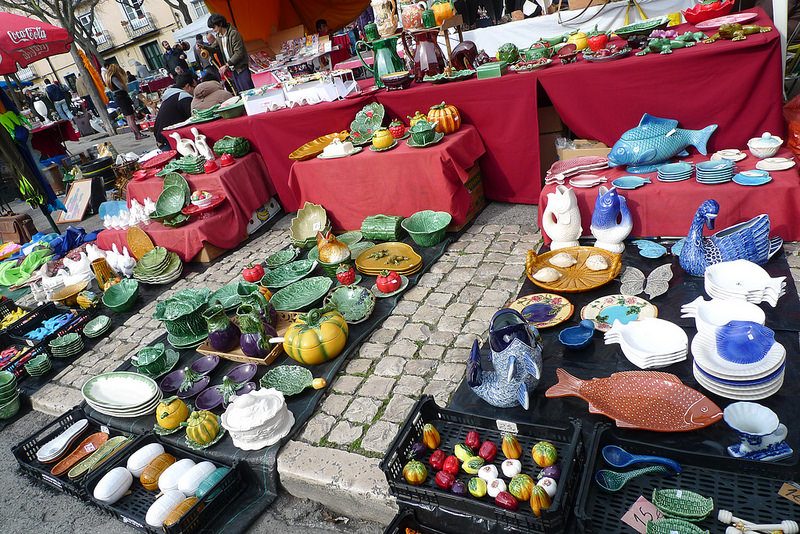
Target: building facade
x: 124, y: 34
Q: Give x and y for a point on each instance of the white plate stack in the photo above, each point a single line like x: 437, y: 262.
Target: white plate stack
x: 650, y: 342
x: 122, y: 394
x: 733, y: 380
x: 743, y: 280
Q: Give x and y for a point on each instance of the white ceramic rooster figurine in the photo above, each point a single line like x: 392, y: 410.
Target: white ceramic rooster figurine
x: 127, y: 264
x: 202, y: 147
x: 185, y: 147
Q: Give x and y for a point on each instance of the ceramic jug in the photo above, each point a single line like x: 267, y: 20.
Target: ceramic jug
x: 371, y: 32
x: 385, y: 58
x: 223, y: 335
x: 254, y: 340
x: 411, y: 15
x: 250, y: 294
x: 385, y: 16
x: 427, y: 56
x: 561, y: 220
x: 611, y: 220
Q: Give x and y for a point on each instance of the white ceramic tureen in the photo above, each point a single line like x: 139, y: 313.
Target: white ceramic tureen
x: 258, y: 419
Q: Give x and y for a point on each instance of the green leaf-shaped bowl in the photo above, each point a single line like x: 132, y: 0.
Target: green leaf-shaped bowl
x: 286, y: 274
x: 427, y: 227
x: 174, y: 179
x: 355, y: 303
x: 227, y: 296
x: 282, y: 257
x: 301, y: 294
x: 288, y: 379
x: 171, y: 201
x: 310, y: 219
x: 120, y: 297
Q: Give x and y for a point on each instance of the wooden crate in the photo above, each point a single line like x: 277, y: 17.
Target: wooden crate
x: 475, y: 187
x: 285, y: 319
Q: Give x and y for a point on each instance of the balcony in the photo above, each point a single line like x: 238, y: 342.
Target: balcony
x: 104, y: 41
x: 140, y: 27
x: 27, y: 74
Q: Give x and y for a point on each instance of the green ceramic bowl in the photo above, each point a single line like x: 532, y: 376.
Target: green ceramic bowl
x: 120, y: 297
x: 10, y: 408
x: 427, y: 227
x: 7, y: 380
x: 151, y: 360
x: 8, y: 396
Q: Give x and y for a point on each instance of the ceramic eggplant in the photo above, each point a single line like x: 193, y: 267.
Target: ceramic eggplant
x: 459, y: 488
x: 553, y: 471
x: 417, y: 450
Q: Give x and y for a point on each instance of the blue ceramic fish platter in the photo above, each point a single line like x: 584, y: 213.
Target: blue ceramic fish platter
x: 752, y: 178
x: 655, y: 141
x: 630, y: 182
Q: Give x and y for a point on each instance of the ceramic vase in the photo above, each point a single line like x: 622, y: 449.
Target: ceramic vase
x: 253, y: 339
x: 611, y: 220
x: 385, y: 16
x: 561, y: 220
x: 223, y: 335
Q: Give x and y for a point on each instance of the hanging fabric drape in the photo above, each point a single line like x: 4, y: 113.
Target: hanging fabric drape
x: 98, y: 83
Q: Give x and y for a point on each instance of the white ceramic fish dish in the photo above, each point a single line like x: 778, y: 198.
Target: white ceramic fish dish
x: 709, y: 315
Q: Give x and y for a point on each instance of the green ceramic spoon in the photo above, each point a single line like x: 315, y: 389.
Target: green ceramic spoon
x: 614, y: 481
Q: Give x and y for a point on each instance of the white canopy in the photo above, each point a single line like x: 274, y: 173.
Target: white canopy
x: 187, y: 33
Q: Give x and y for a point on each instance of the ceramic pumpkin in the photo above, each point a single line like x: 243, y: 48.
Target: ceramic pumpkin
x: 446, y: 117
x: 316, y: 337
x: 171, y: 412
x: 442, y: 10
x: 202, y: 427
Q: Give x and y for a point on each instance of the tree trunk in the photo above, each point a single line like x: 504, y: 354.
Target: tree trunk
x: 183, y: 8
x: 99, y: 105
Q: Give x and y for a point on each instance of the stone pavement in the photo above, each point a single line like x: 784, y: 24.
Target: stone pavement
x: 422, y: 348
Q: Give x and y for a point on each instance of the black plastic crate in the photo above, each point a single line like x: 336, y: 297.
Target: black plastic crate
x: 453, y: 427
x: 747, y: 488
x: 25, y: 451
x: 41, y: 314
x: 27, y: 353
x: 406, y: 519
x: 6, y: 307
x: 132, y: 508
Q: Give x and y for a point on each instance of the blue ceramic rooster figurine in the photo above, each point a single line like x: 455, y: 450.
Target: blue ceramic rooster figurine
x: 516, y: 355
x: 744, y: 241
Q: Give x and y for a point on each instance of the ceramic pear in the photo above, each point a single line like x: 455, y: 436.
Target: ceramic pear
x: 561, y: 220
x: 185, y: 147
x: 202, y: 146
x: 611, y: 220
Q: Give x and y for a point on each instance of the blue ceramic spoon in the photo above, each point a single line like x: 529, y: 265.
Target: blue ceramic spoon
x: 614, y: 481
x: 619, y: 457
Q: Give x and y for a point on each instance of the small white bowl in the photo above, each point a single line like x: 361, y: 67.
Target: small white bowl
x: 765, y: 146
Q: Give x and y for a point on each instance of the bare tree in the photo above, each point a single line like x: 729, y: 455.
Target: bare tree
x: 62, y: 13
x: 178, y: 5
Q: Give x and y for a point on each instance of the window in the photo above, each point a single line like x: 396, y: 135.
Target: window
x: 135, y: 15
x: 95, y: 28
x: 199, y: 8
x: 153, y: 55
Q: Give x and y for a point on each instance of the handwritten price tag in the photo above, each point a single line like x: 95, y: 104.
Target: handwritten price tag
x: 790, y: 490
x: 640, y: 513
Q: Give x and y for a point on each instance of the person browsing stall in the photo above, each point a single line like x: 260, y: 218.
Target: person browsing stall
x: 237, y: 60
x: 176, y: 106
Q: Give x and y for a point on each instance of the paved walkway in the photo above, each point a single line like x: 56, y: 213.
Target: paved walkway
x: 422, y: 348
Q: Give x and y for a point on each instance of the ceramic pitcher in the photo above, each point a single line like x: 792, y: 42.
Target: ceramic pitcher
x: 411, y: 15
x: 561, y: 220
x: 385, y: 16
x: 223, y: 335
x: 427, y: 56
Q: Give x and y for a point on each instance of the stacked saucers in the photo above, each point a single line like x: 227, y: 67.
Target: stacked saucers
x: 39, y: 365
x: 67, y: 345
x: 191, y: 164
x: 743, y: 280
x: 715, y: 172
x: 122, y: 394
x: 674, y: 172
x: 158, y: 266
x: 742, y: 361
x: 650, y: 343
x: 97, y: 327
x: 9, y: 395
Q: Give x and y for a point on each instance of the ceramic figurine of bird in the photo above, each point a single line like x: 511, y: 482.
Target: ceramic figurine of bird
x: 516, y: 355
x: 185, y: 147
x: 744, y: 241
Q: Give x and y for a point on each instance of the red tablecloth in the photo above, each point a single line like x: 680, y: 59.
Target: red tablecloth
x: 400, y: 181
x: 343, y: 52
x: 665, y: 209
x: 245, y: 183
x: 736, y: 85
x: 156, y: 85
x: 49, y: 139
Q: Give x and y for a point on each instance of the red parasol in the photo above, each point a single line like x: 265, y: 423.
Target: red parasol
x: 24, y: 40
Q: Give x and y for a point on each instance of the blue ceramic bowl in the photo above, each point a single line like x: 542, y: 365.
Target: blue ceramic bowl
x: 577, y: 337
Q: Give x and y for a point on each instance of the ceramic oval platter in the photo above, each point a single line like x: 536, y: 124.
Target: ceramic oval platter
x: 286, y: 274
x: 775, y: 164
x: 578, y: 277
x: 391, y: 256
x: 630, y: 182
x: 623, y: 308
x: 301, y: 294
x: 543, y: 310
x: 122, y: 394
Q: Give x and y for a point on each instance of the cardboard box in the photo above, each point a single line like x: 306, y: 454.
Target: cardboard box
x: 547, y: 151
x: 475, y: 187
x: 549, y: 121
x: 584, y: 147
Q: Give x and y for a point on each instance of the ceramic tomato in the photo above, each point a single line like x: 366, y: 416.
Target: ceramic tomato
x: 597, y: 40
x: 345, y: 274
x: 253, y: 272
x: 388, y: 282
x: 397, y: 129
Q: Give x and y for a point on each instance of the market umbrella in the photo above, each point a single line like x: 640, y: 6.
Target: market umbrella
x: 25, y: 40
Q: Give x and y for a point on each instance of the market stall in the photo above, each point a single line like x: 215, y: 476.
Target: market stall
x: 410, y: 180
x: 49, y: 138
x: 224, y: 227
x: 610, y: 97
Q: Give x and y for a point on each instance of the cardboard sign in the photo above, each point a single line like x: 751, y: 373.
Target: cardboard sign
x: 640, y: 513
x: 791, y: 491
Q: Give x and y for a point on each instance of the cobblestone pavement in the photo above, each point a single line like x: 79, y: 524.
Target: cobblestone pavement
x: 421, y: 348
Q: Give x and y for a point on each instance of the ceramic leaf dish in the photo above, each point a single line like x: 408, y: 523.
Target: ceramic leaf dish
x: 577, y: 278
x: 313, y: 148
x: 300, y: 294
x: 683, y: 504
x: 355, y: 303
x: 282, y: 257
x: 174, y: 179
x: 290, y: 379
x: 286, y: 274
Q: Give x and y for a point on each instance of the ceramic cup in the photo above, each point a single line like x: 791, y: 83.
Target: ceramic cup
x: 758, y: 427
x: 371, y: 31
x: 428, y: 18
x: 151, y: 360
